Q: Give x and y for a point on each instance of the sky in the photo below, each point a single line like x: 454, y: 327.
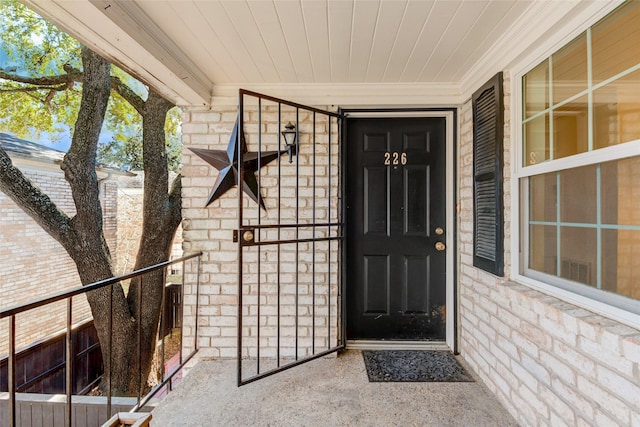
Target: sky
x: 62, y: 144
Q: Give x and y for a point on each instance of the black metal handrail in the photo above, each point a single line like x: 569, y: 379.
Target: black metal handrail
x: 10, y: 314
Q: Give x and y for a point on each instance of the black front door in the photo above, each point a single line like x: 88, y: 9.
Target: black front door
x: 396, y: 258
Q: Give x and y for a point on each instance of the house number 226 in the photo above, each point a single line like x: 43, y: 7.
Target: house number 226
x: 395, y: 158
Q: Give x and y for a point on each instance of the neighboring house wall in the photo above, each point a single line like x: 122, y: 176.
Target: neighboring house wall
x: 33, y: 265
x: 209, y: 229
x: 547, y: 361
x: 129, y: 227
x: 129, y: 222
x: 109, y: 202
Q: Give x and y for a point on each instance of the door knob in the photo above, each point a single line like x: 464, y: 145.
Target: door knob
x: 248, y: 236
x: 439, y: 231
x: 440, y: 246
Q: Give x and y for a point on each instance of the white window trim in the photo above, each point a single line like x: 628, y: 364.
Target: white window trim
x: 617, y: 307
x: 601, y: 155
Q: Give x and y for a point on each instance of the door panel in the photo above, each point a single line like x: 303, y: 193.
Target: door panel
x: 416, y: 269
x: 416, y: 141
x: 376, y: 142
x: 395, y: 191
x: 376, y: 184
x: 416, y: 197
x: 376, y: 284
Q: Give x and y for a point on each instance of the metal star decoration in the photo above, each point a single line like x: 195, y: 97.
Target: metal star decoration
x: 227, y: 163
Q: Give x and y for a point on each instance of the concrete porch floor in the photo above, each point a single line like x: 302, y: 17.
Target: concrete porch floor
x: 324, y: 392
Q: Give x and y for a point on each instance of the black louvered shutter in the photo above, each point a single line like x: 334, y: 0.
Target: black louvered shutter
x: 488, y: 216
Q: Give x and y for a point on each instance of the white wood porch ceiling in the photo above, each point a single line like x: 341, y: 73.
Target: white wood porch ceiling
x: 318, y: 41
x: 210, y: 45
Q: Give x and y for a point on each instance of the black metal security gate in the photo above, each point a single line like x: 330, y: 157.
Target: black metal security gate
x: 289, y: 238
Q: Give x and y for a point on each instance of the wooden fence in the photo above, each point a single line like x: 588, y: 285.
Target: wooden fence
x: 41, y: 367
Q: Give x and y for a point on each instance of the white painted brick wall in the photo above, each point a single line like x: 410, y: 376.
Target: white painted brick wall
x: 209, y: 229
x: 549, y: 363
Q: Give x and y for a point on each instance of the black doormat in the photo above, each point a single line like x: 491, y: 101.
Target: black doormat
x: 413, y: 366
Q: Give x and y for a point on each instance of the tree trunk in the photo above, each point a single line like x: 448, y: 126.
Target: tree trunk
x: 161, y: 217
x: 88, y: 248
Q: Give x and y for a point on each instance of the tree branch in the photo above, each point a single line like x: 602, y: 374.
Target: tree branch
x: 64, y: 79
x: 130, y: 96
x: 59, y: 88
x: 80, y: 161
x: 176, y: 188
x: 156, y: 171
x: 161, y: 214
x: 117, y: 86
x: 175, y: 201
x: 33, y: 201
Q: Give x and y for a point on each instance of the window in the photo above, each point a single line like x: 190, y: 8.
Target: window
x: 580, y: 165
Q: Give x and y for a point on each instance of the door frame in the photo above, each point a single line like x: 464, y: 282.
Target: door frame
x: 450, y: 116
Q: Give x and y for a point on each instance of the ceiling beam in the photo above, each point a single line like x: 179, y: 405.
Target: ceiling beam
x: 351, y: 94
x: 150, y: 62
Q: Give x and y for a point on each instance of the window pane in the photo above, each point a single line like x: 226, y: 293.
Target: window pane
x: 571, y: 128
x: 615, y: 42
x: 536, y: 140
x: 536, y: 89
x: 620, y: 266
x: 578, y: 195
x: 621, y: 207
x: 570, y: 69
x: 578, y: 250
x: 543, y: 251
x: 542, y: 193
x: 616, y: 109
x: 621, y: 192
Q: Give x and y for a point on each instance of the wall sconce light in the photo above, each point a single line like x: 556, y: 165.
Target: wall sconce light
x: 290, y: 135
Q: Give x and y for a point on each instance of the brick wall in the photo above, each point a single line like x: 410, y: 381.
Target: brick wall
x: 129, y: 227
x: 33, y: 265
x: 109, y: 202
x: 210, y: 230
x: 547, y: 361
x: 130, y: 197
